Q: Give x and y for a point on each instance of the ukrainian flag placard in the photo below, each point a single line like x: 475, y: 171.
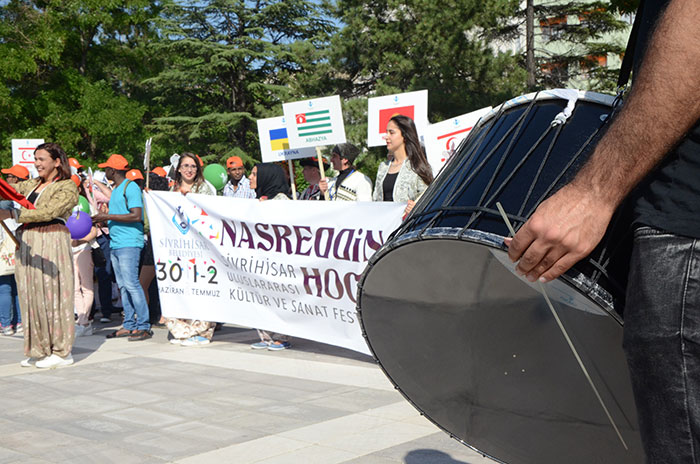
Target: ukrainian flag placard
x: 274, y: 142
x: 279, y: 139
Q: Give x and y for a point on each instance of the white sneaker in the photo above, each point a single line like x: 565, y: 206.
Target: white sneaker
x: 83, y: 330
x: 176, y: 341
x: 53, y: 361
x: 29, y: 362
x: 195, y: 341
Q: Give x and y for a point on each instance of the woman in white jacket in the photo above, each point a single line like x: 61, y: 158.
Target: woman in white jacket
x: 406, y: 174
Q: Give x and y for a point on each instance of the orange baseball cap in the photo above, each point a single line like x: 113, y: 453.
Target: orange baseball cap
x: 18, y: 171
x: 234, y: 162
x: 115, y: 161
x: 134, y: 174
x: 160, y: 171
x: 75, y: 164
x: 76, y: 180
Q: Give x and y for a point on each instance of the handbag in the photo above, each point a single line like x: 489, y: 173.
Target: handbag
x: 7, y: 256
x: 98, y: 256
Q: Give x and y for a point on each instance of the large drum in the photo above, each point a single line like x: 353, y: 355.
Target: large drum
x: 473, y: 346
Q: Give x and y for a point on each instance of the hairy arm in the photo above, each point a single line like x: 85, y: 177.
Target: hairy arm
x: 662, y: 106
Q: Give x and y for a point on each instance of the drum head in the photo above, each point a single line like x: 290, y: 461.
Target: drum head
x: 477, y: 350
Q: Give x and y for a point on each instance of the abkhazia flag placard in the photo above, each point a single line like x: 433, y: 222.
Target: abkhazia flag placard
x: 274, y: 142
x: 314, y: 123
x: 381, y: 109
x: 443, y: 138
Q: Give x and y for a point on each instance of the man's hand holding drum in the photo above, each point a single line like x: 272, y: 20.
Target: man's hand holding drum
x: 564, y: 229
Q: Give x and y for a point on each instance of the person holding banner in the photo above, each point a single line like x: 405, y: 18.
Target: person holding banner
x: 190, y: 179
x: 270, y: 183
x: 350, y: 184
x: 44, y: 261
x: 407, y: 173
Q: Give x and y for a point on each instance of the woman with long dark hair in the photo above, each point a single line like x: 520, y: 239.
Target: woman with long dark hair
x: 44, y: 261
x: 189, y: 176
x: 407, y: 173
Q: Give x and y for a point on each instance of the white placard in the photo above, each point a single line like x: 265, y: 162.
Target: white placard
x: 442, y: 138
x: 381, y: 109
x: 23, y: 153
x: 286, y: 266
x: 274, y: 142
x: 314, y: 123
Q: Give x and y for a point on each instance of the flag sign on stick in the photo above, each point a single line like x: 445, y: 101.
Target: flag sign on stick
x: 274, y: 142
x: 381, y: 109
x: 23, y: 153
x: 314, y: 123
x: 443, y: 138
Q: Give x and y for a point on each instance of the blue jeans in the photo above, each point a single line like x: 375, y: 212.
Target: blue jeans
x: 662, y: 343
x: 9, y: 302
x: 125, y: 262
x: 104, y: 278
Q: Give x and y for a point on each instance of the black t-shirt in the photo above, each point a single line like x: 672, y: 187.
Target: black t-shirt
x: 388, y: 186
x: 669, y: 197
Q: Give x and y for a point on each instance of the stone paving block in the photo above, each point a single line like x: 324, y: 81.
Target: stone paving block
x: 357, y: 399
x: 370, y: 441
x: 187, y: 408
x: 131, y: 396
x: 314, y: 454
x: 112, y: 455
x: 168, y: 447
x: 8, y: 456
x: 310, y: 412
x: 268, y: 423
x: 215, y: 435
x: 335, y: 429
x: 247, y: 452
x: 144, y: 416
x: 87, y: 403
x: 235, y: 400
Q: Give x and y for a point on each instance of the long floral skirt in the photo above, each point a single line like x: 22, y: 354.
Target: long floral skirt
x: 44, y: 274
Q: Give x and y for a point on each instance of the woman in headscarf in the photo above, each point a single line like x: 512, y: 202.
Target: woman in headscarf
x: 270, y: 183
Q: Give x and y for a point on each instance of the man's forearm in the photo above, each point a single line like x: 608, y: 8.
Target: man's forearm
x: 663, y: 105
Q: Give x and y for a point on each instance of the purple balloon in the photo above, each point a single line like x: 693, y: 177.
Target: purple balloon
x: 79, y: 224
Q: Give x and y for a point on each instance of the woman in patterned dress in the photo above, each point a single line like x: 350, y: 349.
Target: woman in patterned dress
x: 44, y: 262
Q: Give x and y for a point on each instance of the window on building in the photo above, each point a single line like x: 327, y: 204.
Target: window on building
x: 553, y: 28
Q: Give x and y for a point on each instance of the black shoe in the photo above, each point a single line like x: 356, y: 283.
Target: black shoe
x: 138, y: 335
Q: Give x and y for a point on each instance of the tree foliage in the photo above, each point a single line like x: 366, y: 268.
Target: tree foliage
x: 100, y: 76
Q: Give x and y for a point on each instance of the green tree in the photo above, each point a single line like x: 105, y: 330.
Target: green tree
x: 70, y: 73
x: 230, y: 62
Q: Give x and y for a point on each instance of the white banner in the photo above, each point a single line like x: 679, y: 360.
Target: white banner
x: 314, y: 123
x: 274, y: 142
x: 286, y: 266
x: 442, y: 138
x: 23, y: 153
x: 381, y: 109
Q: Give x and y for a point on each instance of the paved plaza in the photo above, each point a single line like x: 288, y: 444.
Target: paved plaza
x: 154, y: 402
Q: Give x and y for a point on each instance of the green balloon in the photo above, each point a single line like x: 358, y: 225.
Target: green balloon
x: 83, y: 204
x: 216, y: 175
